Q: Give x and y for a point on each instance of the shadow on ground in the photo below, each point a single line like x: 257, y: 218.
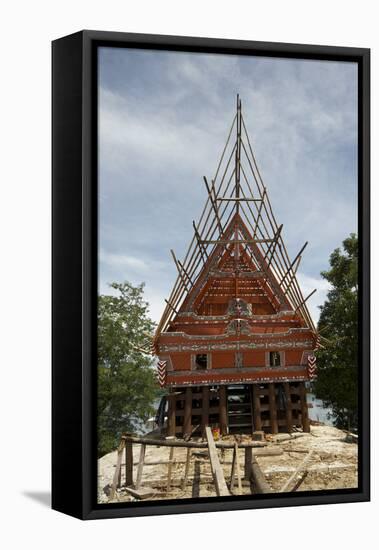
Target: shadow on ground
x: 42, y: 497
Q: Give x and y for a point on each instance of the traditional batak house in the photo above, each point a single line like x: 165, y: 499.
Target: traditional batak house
x: 236, y: 340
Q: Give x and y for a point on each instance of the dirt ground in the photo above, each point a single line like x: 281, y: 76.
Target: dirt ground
x: 333, y: 465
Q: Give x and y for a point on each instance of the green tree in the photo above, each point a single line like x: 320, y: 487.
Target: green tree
x: 126, y: 382
x: 337, y: 362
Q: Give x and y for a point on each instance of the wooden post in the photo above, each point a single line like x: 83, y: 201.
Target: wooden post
x: 232, y: 471
x: 217, y: 473
x: 171, y: 415
x: 169, y: 469
x: 128, y: 463
x: 237, y: 466
x: 288, y: 407
x: 304, y: 408
x: 187, y: 424
x: 205, y: 407
x: 273, y: 412
x: 188, y: 459
x: 223, y: 411
x: 140, y: 465
x: 117, y: 473
x: 248, y: 462
x: 256, y: 408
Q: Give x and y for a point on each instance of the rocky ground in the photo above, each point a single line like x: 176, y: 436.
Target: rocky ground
x: 333, y: 465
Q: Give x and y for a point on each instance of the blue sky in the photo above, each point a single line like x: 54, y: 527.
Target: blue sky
x: 163, y: 122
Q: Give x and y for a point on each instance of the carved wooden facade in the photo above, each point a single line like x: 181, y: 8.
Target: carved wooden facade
x: 236, y: 334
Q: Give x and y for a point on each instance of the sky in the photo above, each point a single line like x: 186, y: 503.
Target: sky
x: 163, y: 122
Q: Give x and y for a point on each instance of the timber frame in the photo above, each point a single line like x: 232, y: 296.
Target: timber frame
x: 75, y: 245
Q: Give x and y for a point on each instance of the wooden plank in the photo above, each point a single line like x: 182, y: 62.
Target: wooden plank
x: 128, y: 463
x: 291, y: 483
x: 140, y: 465
x: 218, y: 475
x: 187, y: 424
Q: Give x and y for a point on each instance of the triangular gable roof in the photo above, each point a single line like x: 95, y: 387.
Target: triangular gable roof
x: 237, y: 209
x: 237, y: 240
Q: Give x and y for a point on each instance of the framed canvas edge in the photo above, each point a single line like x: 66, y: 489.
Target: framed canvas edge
x: 85, y: 506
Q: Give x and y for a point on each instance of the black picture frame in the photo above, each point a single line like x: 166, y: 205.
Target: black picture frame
x: 74, y: 271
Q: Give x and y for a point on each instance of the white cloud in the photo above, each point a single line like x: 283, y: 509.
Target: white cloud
x: 307, y: 284
x: 164, y: 119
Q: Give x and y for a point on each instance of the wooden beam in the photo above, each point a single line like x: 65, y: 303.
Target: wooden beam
x: 203, y: 251
x: 186, y: 470
x: 223, y: 410
x: 140, y: 465
x: 236, y: 469
x: 128, y: 463
x: 289, y: 283
x: 191, y: 444
x: 273, y: 411
x: 248, y: 462
x: 187, y: 423
x: 179, y: 270
x: 288, y: 407
x: 258, y: 478
x: 239, y: 199
x: 237, y: 168
x: 169, y: 468
x: 171, y: 306
x: 117, y: 473
x: 205, y: 409
x: 304, y: 409
x: 259, y: 214
x: 256, y: 408
x: 305, y: 299
x: 238, y: 241
x: 293, y: 263
x: 273, y: 244
x: 213, y: 199
x: 292, y: 481
x: 171, y: 415
x: 217, y: 473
